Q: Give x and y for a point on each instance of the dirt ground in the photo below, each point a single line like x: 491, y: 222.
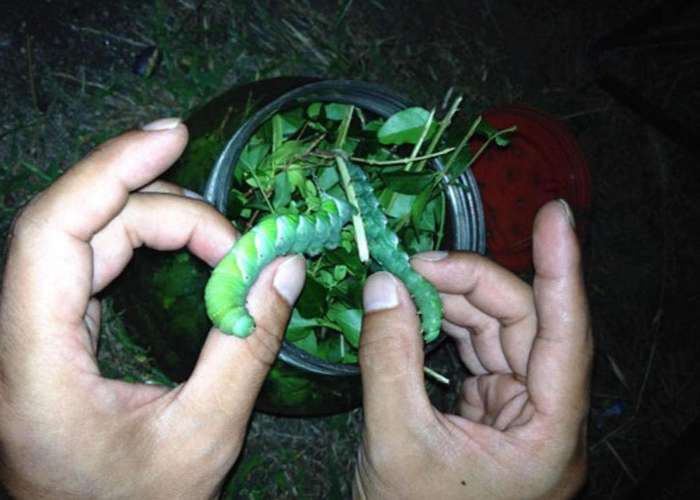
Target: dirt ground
x: 67, y: 84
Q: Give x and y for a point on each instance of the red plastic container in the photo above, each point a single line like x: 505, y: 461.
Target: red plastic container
x: 542, y: 163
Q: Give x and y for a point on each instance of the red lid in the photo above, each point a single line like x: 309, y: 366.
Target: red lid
x: 543, y: 162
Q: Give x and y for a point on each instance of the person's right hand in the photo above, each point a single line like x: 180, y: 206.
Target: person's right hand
x: 521, y: 432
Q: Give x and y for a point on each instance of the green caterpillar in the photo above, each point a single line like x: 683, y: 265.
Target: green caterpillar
x: 228, y: 286
x: 384, y: 248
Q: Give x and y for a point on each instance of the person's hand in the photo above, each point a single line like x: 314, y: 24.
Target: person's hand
x: 66, y: 432
x: 522, y: 424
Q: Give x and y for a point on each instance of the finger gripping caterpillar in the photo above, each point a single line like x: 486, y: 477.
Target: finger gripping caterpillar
x: 228, y: 286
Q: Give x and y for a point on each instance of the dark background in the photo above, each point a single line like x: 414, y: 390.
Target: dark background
x: 66, y: 84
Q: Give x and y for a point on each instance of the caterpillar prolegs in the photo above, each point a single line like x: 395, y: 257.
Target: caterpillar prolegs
x: 228, y: 286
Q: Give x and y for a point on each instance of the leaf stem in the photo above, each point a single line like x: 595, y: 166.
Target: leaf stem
x: 262, y: 191
x: 462, y: 143
x: 441, y: 230
x: 401, y: 161
x: 421, y: 139
x: 343, y: 129
x: 489, y: 141
x: 480, y: 151
x: 444, y: 123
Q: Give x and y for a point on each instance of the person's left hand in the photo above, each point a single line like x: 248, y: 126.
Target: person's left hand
x: 66, y: 432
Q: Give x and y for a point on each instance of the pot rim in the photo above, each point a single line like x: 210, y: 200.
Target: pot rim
x: 464, y: 201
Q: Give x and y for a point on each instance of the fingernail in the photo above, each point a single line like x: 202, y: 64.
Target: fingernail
x: 162, y: 124
x: 289, y: 278
x: 380, y: 292
x: 433, y: 256
x: 567, y: 211
x: 192, y: 194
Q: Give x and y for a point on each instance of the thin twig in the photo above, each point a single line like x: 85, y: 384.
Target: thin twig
x: 107, y: 34
x: 621, y: 462
x: 262, y: 191
x: 489, y: 141
x: 463, y: 143
x: 444, y: 123
x: 401, y: 161
x: 307, y: 42
x: 584, y: 112
x: 441, y: 229
x: 344, y: 127
x: 95, y: 85
x: 419, y: 144
x: 436, y: 376
x: 610, y: 434
x: 36, y: 171
x: 312, y: 146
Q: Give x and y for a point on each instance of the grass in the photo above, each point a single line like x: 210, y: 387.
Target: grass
x: 59, y: 103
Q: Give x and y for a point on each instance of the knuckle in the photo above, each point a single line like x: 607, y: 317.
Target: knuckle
x: 25, y: 222
x: 263, y: 345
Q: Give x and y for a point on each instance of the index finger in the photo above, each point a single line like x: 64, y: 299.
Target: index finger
x: 495, y: 305
x: 94, y: 190
x: 49, y: 259
x: 489, y: 287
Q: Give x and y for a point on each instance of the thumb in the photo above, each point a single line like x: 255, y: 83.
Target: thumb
x: 391, y: 357
x: 231, y: 370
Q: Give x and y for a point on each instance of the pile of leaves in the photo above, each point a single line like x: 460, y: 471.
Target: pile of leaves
x: 289, y: 162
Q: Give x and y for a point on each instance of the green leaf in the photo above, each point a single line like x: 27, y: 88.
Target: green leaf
x: 299, y: 327
x: 486, y: 130
x: 250, y: 159
x: 329, y: 349
x: 308, y: 343
x: 296, y: 177
x: 349, y: 321
x: 335, y: 112
x: 310, y: 188
x: 460, y: 164
x: 339, y: 272
x: 292, y: 121
x: 350, y: 357
x: 328, y: 178
x: 277, y: 132
x: 408, y: 182
x: 314, y: 109
x: 350, y: 145
x: 312, y: 301
x: 396, y: 204
x: 373, y: 126
x: 405, y: 127
x: 283, y: 190
x: 286, y: 152
x: 418, y: 208
x: 317, y: 127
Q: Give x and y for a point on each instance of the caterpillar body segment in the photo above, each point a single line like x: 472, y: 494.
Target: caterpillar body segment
x: 227, y: 289
x: 273, y: 236
x: 384, y: 248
